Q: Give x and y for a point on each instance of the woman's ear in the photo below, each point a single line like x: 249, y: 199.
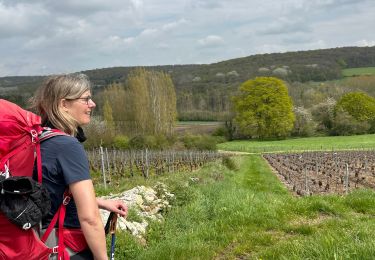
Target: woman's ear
x: 63, y: 104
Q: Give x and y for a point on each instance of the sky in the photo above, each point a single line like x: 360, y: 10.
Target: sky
x: 43, y: 37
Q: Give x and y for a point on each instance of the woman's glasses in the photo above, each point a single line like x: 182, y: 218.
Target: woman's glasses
x: 86, y: 100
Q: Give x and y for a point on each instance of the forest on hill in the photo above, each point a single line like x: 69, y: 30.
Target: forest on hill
x: 204, y: 91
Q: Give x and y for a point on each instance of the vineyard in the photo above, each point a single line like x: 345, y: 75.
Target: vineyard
x: 128, y: 163
x: 325, y: 172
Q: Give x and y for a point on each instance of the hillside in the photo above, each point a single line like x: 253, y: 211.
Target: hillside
x: 202, y: 90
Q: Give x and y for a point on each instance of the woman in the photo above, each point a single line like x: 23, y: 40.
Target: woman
x: 64, y: 102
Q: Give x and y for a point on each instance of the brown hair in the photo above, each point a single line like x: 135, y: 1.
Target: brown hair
x: 47, y: 97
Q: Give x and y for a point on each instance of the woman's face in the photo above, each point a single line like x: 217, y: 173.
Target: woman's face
x: 80, y: 108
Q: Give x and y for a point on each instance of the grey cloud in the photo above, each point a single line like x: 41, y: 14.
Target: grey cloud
x: 297, y: 38
x: 211, y: 40
x: 85, y: 8
x: 48, y: 36
x: 205, y: 4
x: 21, y: 20
x: 284, y: 25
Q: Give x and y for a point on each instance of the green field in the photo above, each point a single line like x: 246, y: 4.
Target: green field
x: 245, y: 212
x: 326, y: 143
x: 358, y: 71
x: 249, y: 214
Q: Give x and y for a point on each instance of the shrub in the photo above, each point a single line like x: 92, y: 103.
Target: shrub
x: 158, y: 142
x: 161, y: 142
x: 345, y: 124
x: 228, y: 162
x: 121, y: 142
x: 323, y: 115
x: 97, y: 134
x: 138, y: 142
x: 220, y: 139
x: 357, y: 104
x: 199, y: 142
x: 221, y: 131
x: 304, y: 125
x: 222, y: 134
x: 142, y: 142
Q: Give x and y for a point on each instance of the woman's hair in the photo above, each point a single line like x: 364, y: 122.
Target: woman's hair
x: 47, y: 98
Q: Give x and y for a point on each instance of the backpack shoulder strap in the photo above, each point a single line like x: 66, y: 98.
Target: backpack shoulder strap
x: 59, y: 218
x: 45, y: 134
x: 49, y: 132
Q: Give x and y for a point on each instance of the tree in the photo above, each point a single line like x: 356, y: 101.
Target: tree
x: 357, y: 107
x: 144, y: 105
x: 303, y: 125
x: 357, y: 104
x: 138, y: 99
x: 323, y: 115
x: 108, y: 114
x: 115, y: 107
x: 345, y: 124
x: 152, y: 98
x: 264, y: 108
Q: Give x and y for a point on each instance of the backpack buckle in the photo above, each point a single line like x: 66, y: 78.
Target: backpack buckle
x: 55, y: 249
x: 4, y: 174
x: 34, y: 135
x: 66, y: 200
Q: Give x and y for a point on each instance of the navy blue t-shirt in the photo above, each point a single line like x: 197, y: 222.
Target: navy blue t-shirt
x: 64, y: 162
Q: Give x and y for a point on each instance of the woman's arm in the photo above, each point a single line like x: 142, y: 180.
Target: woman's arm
x: 115, y: 206
x: 89, y: 217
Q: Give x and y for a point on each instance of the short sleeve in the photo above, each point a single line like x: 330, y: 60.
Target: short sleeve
x: 72, y: 161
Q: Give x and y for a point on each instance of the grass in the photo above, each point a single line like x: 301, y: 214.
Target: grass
x: 249, y: 214
x: 358, y: 71
x: 302, y: 144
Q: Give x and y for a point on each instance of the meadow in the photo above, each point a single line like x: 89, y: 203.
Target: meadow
x: 358, y: 71
x: 324, y: 143
x: 240, y: 210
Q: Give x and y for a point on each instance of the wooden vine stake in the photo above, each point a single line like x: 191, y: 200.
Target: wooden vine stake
x: 103, y: 167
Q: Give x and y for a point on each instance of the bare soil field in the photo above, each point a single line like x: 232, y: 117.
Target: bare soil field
x: 324, y: 172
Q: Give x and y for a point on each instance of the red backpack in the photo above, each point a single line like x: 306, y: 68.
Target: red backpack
x: 20, y: 138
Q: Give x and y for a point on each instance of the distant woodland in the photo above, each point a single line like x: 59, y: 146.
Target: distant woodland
x: 203, y: 92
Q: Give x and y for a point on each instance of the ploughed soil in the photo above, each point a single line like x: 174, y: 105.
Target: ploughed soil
x: 324, y: 172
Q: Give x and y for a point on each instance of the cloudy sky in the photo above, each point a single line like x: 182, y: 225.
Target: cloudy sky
x: 39, y: 37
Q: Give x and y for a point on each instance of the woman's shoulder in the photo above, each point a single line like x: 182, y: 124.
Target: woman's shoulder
x: 62, y: 140
x: 64, y: 148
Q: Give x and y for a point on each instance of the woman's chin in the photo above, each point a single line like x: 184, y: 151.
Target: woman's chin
x: 85, y: 122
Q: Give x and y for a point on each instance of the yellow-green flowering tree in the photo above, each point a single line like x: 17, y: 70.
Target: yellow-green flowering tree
x: 264, y: 109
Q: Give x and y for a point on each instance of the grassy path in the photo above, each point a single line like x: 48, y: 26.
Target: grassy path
x: 249, y: 214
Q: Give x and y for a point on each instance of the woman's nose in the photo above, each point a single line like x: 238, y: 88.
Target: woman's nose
x: 92, y: 103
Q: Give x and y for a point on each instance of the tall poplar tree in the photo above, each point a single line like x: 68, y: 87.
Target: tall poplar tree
x: 108, y: 114
x: 145, y: 105
x: 153, y: 100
